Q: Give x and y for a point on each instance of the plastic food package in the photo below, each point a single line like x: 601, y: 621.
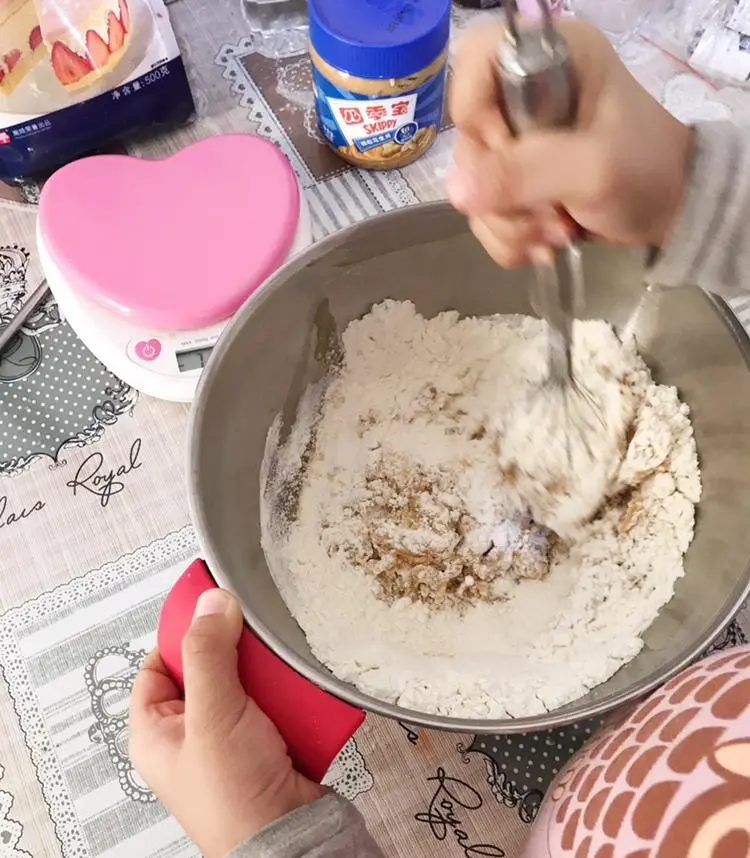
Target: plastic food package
x: 713, y: 36
x: 281, y: 25
x: 620, y: 20
x: 722, y: 48
x: 75, y: 75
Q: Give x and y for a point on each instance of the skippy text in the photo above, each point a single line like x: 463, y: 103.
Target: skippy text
x: 375, y: 117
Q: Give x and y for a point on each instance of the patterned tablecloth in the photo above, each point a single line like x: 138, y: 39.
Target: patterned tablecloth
x: 85, y: 562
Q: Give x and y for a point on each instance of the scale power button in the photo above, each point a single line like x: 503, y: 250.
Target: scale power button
x: 148, y: 350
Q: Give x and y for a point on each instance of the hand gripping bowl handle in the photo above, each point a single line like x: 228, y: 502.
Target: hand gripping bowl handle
x: 314, y: 724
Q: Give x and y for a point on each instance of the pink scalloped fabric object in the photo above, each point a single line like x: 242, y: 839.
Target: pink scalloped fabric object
x: 669, y: 780
x: 177, y: 244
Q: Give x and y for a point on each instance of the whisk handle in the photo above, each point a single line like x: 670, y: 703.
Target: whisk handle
x: 539, y: 91
x: 536, y: 76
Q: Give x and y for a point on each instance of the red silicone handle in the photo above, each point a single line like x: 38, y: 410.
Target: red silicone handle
x: 315, y: 725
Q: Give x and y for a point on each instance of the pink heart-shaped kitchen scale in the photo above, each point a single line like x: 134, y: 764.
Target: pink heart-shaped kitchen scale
x: 177, y: 244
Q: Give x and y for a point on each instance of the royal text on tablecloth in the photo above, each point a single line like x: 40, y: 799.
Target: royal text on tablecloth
x: 93, y: 477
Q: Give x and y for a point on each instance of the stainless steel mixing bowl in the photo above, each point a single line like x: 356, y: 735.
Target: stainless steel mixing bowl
x: 426, y: 254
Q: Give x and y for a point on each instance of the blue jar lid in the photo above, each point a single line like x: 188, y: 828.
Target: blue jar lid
x: 379, y: 38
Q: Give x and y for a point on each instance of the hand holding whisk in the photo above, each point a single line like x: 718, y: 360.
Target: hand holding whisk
x: 539, y: 90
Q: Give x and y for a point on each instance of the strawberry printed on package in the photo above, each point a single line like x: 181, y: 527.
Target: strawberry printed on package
x: 77, y: 74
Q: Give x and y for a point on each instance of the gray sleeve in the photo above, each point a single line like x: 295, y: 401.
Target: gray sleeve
x: 328, y: 828
x: 709, y: 245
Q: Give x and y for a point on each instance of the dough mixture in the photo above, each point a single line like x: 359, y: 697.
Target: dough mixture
x: 443, y: 547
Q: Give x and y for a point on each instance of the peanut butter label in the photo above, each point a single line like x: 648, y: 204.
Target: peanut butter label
x: 376, y: 122
x: 376, y: 129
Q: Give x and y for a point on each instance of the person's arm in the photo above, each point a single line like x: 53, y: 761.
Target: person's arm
x: 329, y: 828
x: 628, y: 173
x: 218, y: 763
x: 709, y: 244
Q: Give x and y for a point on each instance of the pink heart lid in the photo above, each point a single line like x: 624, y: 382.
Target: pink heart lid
x: 176, y: 244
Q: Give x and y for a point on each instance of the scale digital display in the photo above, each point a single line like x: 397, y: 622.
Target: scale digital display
x: 193, y: 358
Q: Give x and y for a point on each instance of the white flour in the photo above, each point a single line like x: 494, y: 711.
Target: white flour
x: 409, y: 556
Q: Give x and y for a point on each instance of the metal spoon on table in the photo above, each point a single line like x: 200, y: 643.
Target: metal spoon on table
x: 27, y: 309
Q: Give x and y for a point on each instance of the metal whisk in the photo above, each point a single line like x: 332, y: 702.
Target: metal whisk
x: 539, y: 91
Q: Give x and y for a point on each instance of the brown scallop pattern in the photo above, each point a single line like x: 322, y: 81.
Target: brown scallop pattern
x: 684, y: 758
x: 605, y: 793
x: 640, y: 769
x: 672, y: 729
x: 562, y: 811
x: 652, y: 807
x: 597, y: 747
x: 692, y: 818
x: 732, y: 760
x: 589, y: 784
x: 733, y: 701
x: 647, y: 709
x: 675, y: 681
x: 565, y: 776
x: 579, y: 776
x: 594, y: 806
x: 619, y: 740
x: 685, y: 690
x: 652, y: 726
x: 734, y: 844
x: 570, y: 830
x: 617, y: 766
x: 714, y: 685
x: 731, y: 659
x: 616, y: 813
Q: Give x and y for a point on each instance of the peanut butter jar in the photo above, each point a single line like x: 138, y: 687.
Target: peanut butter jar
x: 379, y: 69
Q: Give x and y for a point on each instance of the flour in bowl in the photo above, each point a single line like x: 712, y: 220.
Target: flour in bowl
x: 437, y: 546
